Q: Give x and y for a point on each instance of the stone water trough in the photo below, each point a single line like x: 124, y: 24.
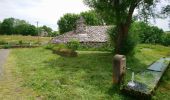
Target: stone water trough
x: 144, y: 83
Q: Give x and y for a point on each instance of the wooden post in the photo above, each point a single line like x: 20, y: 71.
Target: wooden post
x: 119, y: 69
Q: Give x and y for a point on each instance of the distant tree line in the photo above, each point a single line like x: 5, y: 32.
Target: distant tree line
x: 10, y: 26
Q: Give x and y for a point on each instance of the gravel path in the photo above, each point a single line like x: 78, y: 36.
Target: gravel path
x: 3, y: 56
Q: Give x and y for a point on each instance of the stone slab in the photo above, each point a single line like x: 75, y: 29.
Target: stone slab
x: 147, y: 81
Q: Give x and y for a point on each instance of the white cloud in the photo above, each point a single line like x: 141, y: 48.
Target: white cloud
x: 45, y: 11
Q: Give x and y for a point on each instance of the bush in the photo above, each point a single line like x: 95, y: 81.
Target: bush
x: 6, y: 46
x: 59, y: 46
x: 49, y: 46
x: 53, y: 34
x: 74, y: 45
x: 128, y: 45
x: 20, y: 42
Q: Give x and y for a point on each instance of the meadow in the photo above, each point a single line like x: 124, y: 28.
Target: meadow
x: 40, y: 74
x: 24, y: 39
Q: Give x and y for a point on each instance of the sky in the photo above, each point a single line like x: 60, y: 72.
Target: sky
x: 48, y: 12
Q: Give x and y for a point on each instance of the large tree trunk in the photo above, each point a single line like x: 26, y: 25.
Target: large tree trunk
x: 121, y: 37
x: 123, y: 29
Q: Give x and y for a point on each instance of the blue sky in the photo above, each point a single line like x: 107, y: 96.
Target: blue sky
x: 47, y: 12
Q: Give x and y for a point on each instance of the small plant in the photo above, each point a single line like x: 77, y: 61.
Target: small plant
x: 20, y: 42
x: 49, y: 46
x: 59, y: 46
x: 6, y: 46
x: 73, y: 44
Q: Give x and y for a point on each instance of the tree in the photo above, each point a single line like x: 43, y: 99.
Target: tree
x: 166, y: 39
x: 20, y: 26
x: 54, y: 33
x: 21, y: 29
x: 24, y: 28
x: 7, y: 26
x: 47, y: 29
x: 91, y: 18
x: 32, y: 30
x: 166, y: 12
x: 120, y: 12
x: 147, y: 33
x: 67, y: 22
x: 18, y: 22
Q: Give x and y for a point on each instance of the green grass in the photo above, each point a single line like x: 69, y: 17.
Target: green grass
x: 27, y: 39
x: 86, y: 77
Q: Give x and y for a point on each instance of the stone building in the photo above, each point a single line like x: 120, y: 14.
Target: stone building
x: 93, y: 35
x: 43, y: 33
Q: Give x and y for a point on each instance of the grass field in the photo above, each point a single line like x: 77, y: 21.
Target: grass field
x: 17, y: 38
x: 86, y: 77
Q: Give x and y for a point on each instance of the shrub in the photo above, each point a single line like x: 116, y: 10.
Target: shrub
x: 112, y: 34
x: 49, y: 46
x: 128, y: 45
x: 6, y: 46
x: 59, y: 46
x: 20, y: 42
x: 74, y: 45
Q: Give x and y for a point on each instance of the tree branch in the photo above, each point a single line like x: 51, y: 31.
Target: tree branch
x: 133, y: 5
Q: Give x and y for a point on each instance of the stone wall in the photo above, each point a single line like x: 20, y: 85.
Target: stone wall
x: 80, y: 26
x: 94, y: 44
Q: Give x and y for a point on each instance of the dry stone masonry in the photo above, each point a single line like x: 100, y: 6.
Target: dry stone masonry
x: 84, y: 34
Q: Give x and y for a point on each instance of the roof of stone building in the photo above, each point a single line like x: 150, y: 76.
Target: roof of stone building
x: 91, y: 34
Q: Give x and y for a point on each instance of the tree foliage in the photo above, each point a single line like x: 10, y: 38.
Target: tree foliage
x: 26, y: 29
x: 147, y: 33
x: 166, y: 39
x: 53, y: 34
x: 16, y: 26
x: 91, y: 18
x: 7, y: 26
x: 120, y: 13
x: 46, y: 28
x: 68, y: 21
x: 166, y: 12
